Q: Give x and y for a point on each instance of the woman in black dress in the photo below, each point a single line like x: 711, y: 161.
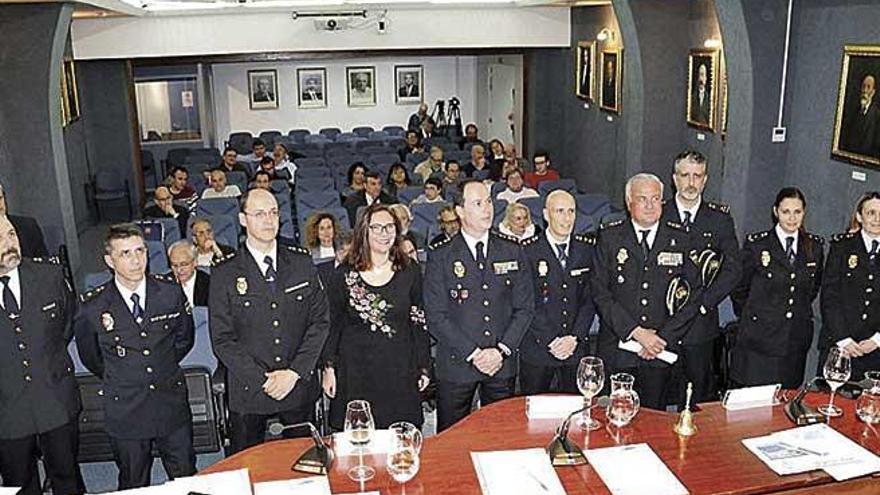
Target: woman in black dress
x: 782, y: 273
x: 378, y: 347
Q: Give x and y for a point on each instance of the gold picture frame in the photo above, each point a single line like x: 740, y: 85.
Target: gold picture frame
x: 585, y: 70
x: 610, y: 92
x: 69, y: 93
x: 857, y: 120
x: 702, y: 94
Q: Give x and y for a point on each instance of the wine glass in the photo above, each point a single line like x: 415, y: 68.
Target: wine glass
x: 590, y: 379
x: 836, y: 371
x: 359, y: 426
x: 402, y: 461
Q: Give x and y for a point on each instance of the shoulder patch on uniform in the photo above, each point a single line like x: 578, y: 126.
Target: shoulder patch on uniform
x: 90, y: 294
x: 816, y: 237
x: 675, y: 225
x: 585, y: 238
x: 163, y: 277
x: 48, y: 260
x: 504, y: 236
x: 531, y: 240
x: 298, y: 250
x: 223, y: 259
x: 756, y: 236
x: 440, y: 243
x: 718, y: 207
x: 613, y: 223
x: 843, y: 236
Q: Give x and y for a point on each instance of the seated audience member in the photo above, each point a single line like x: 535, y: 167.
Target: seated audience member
x: 219, y: 188
x: 516, y: 190
x: 496, y: 154
x: 452, y: 177
x: 164, y: 207
x: 182, y: 257
x: 470, y: 137
x: 231, y: 163
x: 517, y: 222
x: 321, y: 229
x: 409, y: 246
x: 398, y: 178
x: 262, y: 180
x: 30, y: 235
x: 542, y: 172
x: 405, y: 217
x: 357, y: 175
x: 449, y: 223
x: 326, y: 268
x: 432, y: 194
x: 371, y: 193
x: 210, y: 252
x: 282, y: 162
x: 268, y: 166
x: 433, y: 166
x: 478, y: 167
x: 413, y: 144
x: 415, y: 120
x: 257, y: 154
x: 178, y: 184
x: 428, y: 128
x: 512, y: 160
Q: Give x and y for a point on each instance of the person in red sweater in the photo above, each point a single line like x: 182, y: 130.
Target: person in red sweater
x: 542, y: 170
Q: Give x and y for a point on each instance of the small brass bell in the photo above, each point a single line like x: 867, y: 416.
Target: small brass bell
x: 685, y: 426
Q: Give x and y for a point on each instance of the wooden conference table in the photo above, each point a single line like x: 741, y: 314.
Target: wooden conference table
x: 712, y: 461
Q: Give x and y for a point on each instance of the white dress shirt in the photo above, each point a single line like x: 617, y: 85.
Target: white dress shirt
x: 472, y: 243
x: 231, y: 191
x: 692, y: 210
x: 14, y: 286
x: 259, y: 256
x: 189, y: 289
x: 553, y: 243
x: 782, y: 235
x: 652, y: 233
x: 141, y: 291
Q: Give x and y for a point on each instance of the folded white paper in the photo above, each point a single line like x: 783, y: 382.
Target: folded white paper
x: 509, y: 472
x: 552, y: 406
x: 313, y: 485
x: 633, y: 346
x: 615, y: 466
x: 9, y: 490
x: 749, y: 397
x: 223, y: 483
x: 380, y: 442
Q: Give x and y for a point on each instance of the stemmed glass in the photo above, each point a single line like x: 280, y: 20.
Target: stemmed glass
x: 836, y: 371
x: 402, y: 461
x: 590, y: 379
x: 359, y: 426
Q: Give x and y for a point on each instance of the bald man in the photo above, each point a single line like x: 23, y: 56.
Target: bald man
x: 561, y: 267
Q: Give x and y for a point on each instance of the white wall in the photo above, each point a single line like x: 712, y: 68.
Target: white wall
x: 444, y: 77
x: 248, y: 32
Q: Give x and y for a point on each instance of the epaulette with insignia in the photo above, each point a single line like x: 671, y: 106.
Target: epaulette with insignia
x: 531, y: 240
x: 163, y: 277
x: 504, y: 236
x: 675, y: 225
x: 816, y: 238
x: 613, y: 223
x: 843, y: 236
x: 223, y: 259
x: 298, y: 250
x: 90, y: 294
x: 585, y: 238
x: 438, y: 244
x: 719, y: 207
x: 51, y: 260
x: 756, y: 236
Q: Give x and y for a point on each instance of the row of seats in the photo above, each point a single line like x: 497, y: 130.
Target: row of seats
x: 243, y: 141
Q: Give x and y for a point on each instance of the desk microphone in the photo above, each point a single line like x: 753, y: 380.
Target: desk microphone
x: 564, y: 453
x: 316, y: 460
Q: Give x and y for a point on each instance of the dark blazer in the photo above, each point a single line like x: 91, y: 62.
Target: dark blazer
x: 200, y: 291
x: 30, y: 236
x: 37, y: 386
x: 631, y: 291
x: 325, y: 270
x: 712, y: 228
x: 468, y: 309
x: 145, y: 393
x: 850, y: 298
x: 701, y: 113
x: 358, y: 199
x: 255, y: 329
x: 182, y: 215
x: 563, y: 302
x: 861, y: 132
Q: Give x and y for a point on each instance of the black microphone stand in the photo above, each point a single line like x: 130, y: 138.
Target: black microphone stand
x: 561, y: 450
x: 316, y: 460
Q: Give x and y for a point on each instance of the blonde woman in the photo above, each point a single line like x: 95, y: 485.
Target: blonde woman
x: 517, y: 222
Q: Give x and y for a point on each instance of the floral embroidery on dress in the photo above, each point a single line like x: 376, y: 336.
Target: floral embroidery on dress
x: 370, y: 307
x: 417, y: 316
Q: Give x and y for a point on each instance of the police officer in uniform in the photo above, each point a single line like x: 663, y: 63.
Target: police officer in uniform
x: 479, y: 303
x: 269, y: 321
x: 40, y: 401
x: 717, y: 249
x: 132, y: 332
x: 561, y: 266
x: 782, y: 273
x: 851, y: 291
x: 647, y: 290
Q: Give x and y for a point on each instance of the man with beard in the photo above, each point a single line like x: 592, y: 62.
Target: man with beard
x: 40, y: 406
x: 30, y: 235
x: 700, y: 97
x: 861, y: 132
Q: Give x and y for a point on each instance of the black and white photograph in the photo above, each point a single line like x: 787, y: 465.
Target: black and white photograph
x: 263, y: 89
x: 312, y: 87
x: 585, y: 70
x: 408, y: 84
x: 361, y: 83
x: 702, y: 77
x: 609, y: 99
x: 857, y: 123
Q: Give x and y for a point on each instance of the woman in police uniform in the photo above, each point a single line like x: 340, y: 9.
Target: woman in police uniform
x: 782, y: 273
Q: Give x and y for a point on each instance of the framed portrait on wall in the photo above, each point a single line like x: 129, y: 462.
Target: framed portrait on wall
x: 409, y: 84
x: 311, y: 87
x: 585, y: 70
x: 361, y: 84
x: 612, y: 70
x: 701, y: 91
x: 857, y: 123
x: 69, y: 93
x: 263, y: 89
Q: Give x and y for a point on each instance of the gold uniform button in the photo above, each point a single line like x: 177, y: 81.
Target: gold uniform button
x: 277, y: 359
x: 144, y: 334
x: 790, y: 302
x: 644, y: 302
x: 565, y: 299
x: 275, y: 323
x: 299, y: 298
x: 146, y: 352
x: 788, y: 315
x: 27, y: 378
x: 274, y: 305
x: 149, y: 369
x: 485, y: 302
x: 564, y: 313
x: 21, y: 346
x: 869, y: 290
x: 644, y: 285
x: 25, y: 363
x: 247, y: 304
x: 165, y: 327
x: 277, y: 341
x: 17, y: 329
x: 644, y: 318
x: 486, y: 318
x: 867, y: 303
x: 564, y: 286
x: 791, y: 288
x: 485, y: 286
x: 116, y: 338
x: 487, y: 333
x: 864, y: 316
x: 791, y: 276
x: 565, y: 325
x: 152, y: 387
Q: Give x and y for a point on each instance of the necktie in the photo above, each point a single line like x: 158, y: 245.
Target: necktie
x: 9, y: 302
x: 563, y: 258
x: 643, y: 243
x: 136, y: 309
x: 687, y: 219
x: 270, y: 271
x: 481, y: 255
x: 789, y: 249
